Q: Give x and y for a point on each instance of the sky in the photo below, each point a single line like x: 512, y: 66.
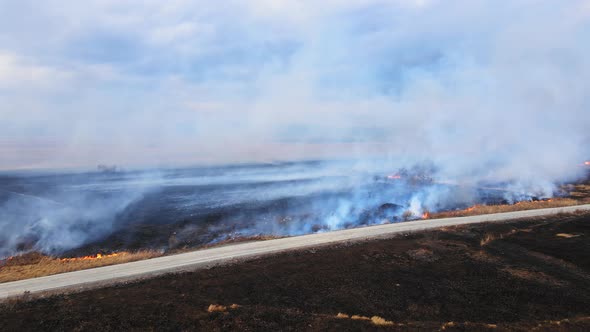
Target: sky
x: 470, y: 84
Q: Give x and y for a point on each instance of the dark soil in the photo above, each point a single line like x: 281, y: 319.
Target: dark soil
x: 518, y: 275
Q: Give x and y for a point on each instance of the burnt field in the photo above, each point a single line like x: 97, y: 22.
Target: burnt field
x: 80, y: 214
x: 521, y: 275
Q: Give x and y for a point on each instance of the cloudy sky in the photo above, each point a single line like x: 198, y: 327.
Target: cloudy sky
x: 180, y: 82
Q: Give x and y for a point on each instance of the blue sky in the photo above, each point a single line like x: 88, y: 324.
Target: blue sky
x: 180, y: 82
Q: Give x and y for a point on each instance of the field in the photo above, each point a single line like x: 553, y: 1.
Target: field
x: 520, y: 275
x: 35, y: 264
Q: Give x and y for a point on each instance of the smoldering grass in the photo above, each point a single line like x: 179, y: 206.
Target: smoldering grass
x: 520, y: 206
x: 33, y: 265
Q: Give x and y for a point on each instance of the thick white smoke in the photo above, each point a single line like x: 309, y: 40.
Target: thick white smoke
x: 487, y: 94
x: 54, y: 212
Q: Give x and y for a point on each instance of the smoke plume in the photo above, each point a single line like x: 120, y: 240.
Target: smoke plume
x: 482, y: 95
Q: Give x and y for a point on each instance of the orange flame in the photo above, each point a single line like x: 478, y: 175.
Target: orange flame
x: 587, y: 163
x: 394, y: 177
x: 7, y: 259
x: 91, y: 257
x: 425, y: 215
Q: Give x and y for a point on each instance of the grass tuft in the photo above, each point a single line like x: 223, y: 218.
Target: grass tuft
x: 216, y: 308
x: 376, y: 320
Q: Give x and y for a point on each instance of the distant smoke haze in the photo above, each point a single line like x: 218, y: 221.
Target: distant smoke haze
x: 484, y: 91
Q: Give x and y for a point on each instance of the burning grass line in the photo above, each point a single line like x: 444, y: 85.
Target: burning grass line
x: 491, y: 209
x: 33, y: 265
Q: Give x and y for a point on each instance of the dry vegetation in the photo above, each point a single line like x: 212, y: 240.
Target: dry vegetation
x: 578, y: 191
x: 216, y: 308
x: 35, y: 264
x: 567, y: 235
x: 489, y: 238
x: 221, y: 308
x: 375, y: 320
x: 489, y: 209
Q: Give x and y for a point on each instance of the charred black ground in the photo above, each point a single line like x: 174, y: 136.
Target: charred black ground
x: 221, y: 226
x: 79, y: 214
x: 504, y: 276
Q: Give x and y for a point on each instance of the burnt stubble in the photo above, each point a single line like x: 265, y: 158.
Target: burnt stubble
x: 504, y: 276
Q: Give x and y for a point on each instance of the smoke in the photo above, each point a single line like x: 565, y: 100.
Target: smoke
x: 484, y: 95
x: 60, y: 212
x: 479, y: 89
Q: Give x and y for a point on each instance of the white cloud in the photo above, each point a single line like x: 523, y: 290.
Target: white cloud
x: 18, y: 72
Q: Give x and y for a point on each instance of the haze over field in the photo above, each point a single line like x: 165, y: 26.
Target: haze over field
x: 480, y: 88
x: 475, y: 91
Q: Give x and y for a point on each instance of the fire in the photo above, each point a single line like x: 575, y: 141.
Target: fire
x: 91, y: 257
x: 425, y: 215
x: 6, y: 260
x: 587, y: 163
x: 394, y: 177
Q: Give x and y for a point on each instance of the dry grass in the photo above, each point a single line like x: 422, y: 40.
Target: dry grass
x: 487, y: 239
x: 566, y: 235
x: 489, y: 209
x: 221, y: 308
x: 447, y: 325
x: 216, y: 308
x: 578, y: 191
x: 376, y: 320
x: 490, y: 237
x: 34, y: 264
